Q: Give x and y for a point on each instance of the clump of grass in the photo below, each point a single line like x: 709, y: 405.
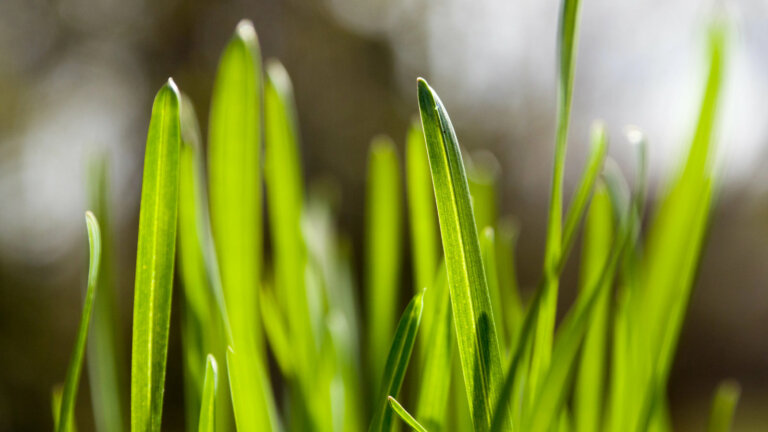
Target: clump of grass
x: 480, y: 347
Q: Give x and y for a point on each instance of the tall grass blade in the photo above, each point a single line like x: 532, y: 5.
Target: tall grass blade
x: 405, y: 415
x: 397, y: 363
x: 723, y: 406
x: 508, y: 285
x: 105, y: 353
x: 470, y: 299
x: 207, y: 421
x: 155, y: 260
x: 69, y: 393
x: 56, y: 393
x: 489, y: 250
x: 552, y: 258
x: 383, y: 251
x: 482, y: 175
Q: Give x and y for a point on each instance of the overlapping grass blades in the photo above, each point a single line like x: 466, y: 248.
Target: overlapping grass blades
x: 207, y: 421
x: 405, y: 415
x: 64, y: 421
x: 155, y: 260
x: 470, y: 299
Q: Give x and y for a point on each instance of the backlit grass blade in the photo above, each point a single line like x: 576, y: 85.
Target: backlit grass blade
x: 56, y: 408
x: 552, y: 258
x: 276, y: 331
x: 235, y: 197
x: 105, y: 353
x: 598, y: 234
x: 508, y: 286
x: 207, y: 421
x: 397, y: 363
x: 482, y: 175
x: 470, y: 299
x: 72, y: 380
x: 437, y: 351
x: 723, y: 406
x: 405, y: 415
x: 383, y: 251
x: 488, y: 250
x: 155, y: 261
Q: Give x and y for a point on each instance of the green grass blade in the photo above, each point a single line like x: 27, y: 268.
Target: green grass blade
x: 252, y: 398
x: 276, y: 330
x: 405, y: 415
x: 397, y: 363
x: 438, y: 354
x: 207, y: 421
x: 470, y: 299
x: 723, y: 406
x: 72, y: 381
x: 155, y: 261
x: 482, y: 176
x: 598, y: 234
x: 552, y: 257
x: 56, y: 393
x: 489, y: 250
x: 105, y: 353
x: 508, y: 286
x: 383, y: 251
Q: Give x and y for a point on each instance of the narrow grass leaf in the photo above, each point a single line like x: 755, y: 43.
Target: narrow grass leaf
x: 488, y: 250
x: 397, y: 363
x: 470, y: 299
x: 482, y: 175
x: 405, y: 415
x: 723, y: 406
x: 207, y: 421
x: 507, y: 272
x: 56, y: 393
x: 72, y: 380
x: 155, y: 261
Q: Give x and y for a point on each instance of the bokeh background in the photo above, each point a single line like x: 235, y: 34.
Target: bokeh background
x: 77, y: 78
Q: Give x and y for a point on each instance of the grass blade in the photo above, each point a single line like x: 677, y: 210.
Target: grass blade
x: 552, y: 258
x: 65, y: 419
x: 155, y: 260
x: 105, y: 354
x: 397, y: 363
x: 723, y: 406
x: 383, y: 251
x: 482, y: 175
x: 207, y: 421
x: 405, y: 415
x: 488, y: 250
x: 508, y: 286
x: 470, y: 299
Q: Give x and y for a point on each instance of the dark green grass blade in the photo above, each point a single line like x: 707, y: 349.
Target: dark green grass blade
x: 470, y: 299
x: 405, y: 415
x: 397, y: 363
x: 207, y: 421
x: 598, y: 234
x: 155, y: 261
x: 723, y: 406
x: 438, y: 354
x: 383, y: 251
x: 69, y: 393
x: 552, y: 258
x: 105, y: 353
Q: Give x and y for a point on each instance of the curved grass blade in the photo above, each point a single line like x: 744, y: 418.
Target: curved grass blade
x: 723, y: 406
x: 405, y: 415
x: 470, y: 299
x: 69, y: 393
x: 552, y: 257
x: 105, y: 353
x: 397, y: 363
x: 155, y: 260
x: 207, y: 421
x: 383, y: 251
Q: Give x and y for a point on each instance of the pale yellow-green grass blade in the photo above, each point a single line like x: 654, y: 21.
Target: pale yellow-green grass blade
x: 482, y: 175
x: 723, y: 406
x: 56, y: 408
x: 383, y: 251
x: 470, y: 298
x: 155, y: 261
x: 65, y: 420
x: 489, y: 250
x: 105, y: 351
x: 397, y: 364
x: 405, y: 415
x: 511, y: 302
x: 207, y: 422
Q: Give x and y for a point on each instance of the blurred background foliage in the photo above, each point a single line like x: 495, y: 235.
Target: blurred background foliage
x: 77, y: 78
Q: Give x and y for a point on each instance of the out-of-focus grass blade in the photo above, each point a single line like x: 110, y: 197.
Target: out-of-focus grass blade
x: 104, y: 353
x: 56, y: 408
x: 207, y: 421
x: 545, y: 325
x: 438, y: 354
x: 69, y: 392
x: 235, y: 194
x: 277, y: 333
x: 155, y: 260
x: 508, y: 285
x: 482, y: 175
x: 598, y: 234
x: 723, y: 406
x: 488, y: 250
x: 470, y: 299
x: 405, y: 415
x: 397, y: 363
x: 383, y: 251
